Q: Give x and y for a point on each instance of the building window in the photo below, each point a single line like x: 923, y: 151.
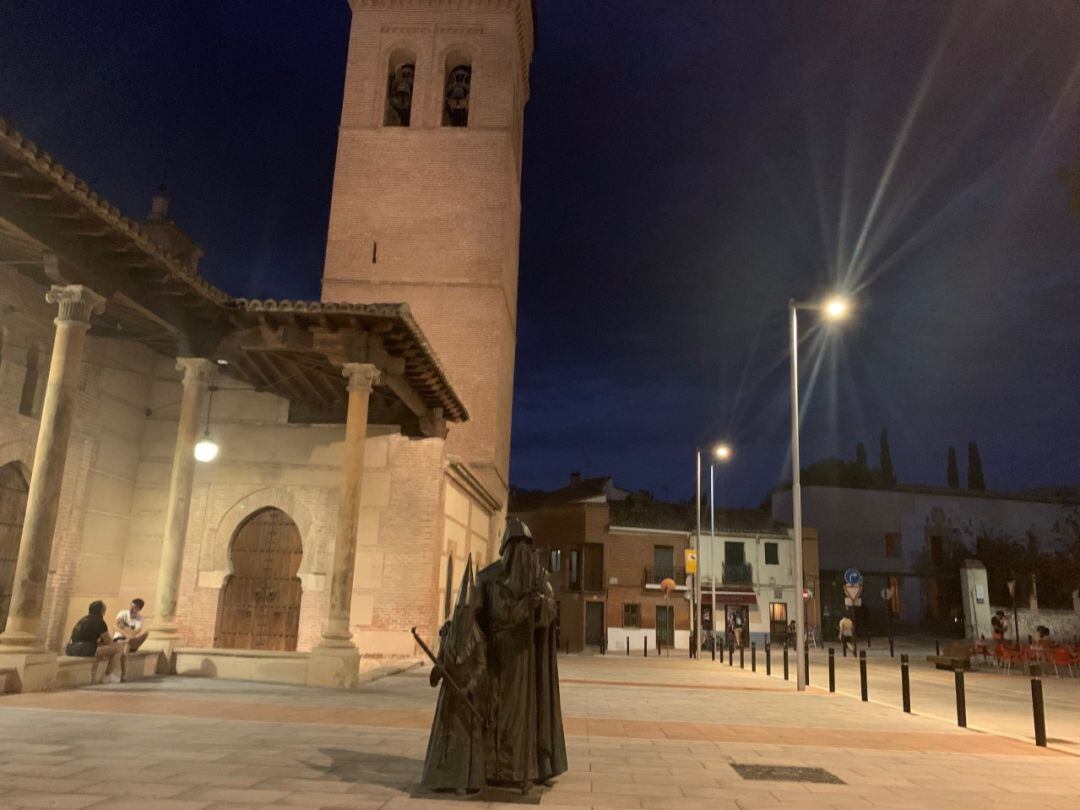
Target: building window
x: 631, y: 615
x: 772, y: 553
x: 663, y: 562
x: 456, y: 90
x: 575, y: 567
x: 399, y: 89
x: 892, y: 545
x: 556, y: 560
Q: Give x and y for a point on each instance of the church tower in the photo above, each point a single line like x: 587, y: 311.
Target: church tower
x: 426, y: 204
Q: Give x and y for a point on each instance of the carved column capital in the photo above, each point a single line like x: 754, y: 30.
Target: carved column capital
x: 198, y: 371
x: 361, y: 376
x: 77, y: 303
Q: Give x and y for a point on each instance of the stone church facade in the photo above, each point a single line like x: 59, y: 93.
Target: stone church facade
x: 364, y: 439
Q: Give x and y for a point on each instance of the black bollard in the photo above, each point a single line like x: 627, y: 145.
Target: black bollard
x: 768, y: 657
x: 937, y: 647
x: 892, y: 652
x: 785, y: 662
x: 905, y: 683
x: 731, y: 654
x: 806, y: 664
x: 742, y: 657
x: 961, y: 699
x: 1037, y: 707
x: 646, y: 639
x: 628, y: 645
x: 753, y: 656
x: 865, y: 692
x: 714, y: 648
x: 832, y: 669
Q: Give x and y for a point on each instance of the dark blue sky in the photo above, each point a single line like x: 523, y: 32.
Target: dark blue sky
x: 689, y: 166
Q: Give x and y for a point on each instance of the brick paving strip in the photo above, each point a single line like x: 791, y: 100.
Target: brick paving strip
x: 101, y: 701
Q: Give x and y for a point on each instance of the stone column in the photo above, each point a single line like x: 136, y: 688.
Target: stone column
x: 76, y: 305
x: 198, y: 374
x: 336, y: 661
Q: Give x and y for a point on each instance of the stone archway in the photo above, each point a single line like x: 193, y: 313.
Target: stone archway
x: 13, y: 494
x: 259, y: 606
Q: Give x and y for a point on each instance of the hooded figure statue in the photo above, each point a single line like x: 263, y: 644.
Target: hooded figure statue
x: 455, y: 753
x: 525, y: 742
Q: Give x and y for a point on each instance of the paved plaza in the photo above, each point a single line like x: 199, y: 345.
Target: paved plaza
x: 655, y: 733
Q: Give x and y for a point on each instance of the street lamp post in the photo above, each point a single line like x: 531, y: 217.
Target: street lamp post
x: 697, y: 571
x: 723, y: 453
x: 834, y: 309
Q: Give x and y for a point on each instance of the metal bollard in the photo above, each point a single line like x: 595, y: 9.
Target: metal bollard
x: 646, y: 639
x: 628, y: 645
x: 961, y: 699
x: 892, y: 652
x: 864, y: 691
x: 714, y: 648
x: 806, y: 664
x: 832, y: 669
x: 753, y: 656
x: 1037, y: 707
x: 785, y: 662
x: 905, y: 682
x: 731, y: 654
x: 742, y: 657
x: 768, y: 657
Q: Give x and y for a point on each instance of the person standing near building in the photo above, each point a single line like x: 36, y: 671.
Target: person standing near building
x: 847, y: 633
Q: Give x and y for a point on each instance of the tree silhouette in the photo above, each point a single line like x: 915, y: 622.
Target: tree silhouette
x: 860, y: 455
x: 954, y: 470
x: 887, y: 474
x: 975, y: 478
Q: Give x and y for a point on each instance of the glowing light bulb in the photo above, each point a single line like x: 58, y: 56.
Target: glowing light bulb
x: 722, y: 452
x: 837, y: 308
x: 206, y: 450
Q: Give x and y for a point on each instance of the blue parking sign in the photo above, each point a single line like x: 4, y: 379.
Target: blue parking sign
x: 853, y: 577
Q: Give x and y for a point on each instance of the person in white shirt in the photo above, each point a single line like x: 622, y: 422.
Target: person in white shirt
x: 129, y: 626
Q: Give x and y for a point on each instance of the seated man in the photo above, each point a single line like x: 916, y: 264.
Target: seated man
x: 90, y: 639
x: 129, y: 631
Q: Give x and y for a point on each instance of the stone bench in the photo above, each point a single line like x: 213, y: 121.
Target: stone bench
x: 73, y: 671
x: 10, y: 683
x: 956, y: 655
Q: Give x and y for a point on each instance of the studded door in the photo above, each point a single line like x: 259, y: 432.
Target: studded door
x: 13, y: 490
x: 260, y: 603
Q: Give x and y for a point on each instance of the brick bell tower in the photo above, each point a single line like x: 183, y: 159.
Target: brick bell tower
x: 426, y: 205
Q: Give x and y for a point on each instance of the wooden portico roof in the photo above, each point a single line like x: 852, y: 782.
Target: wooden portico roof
x: 54, y: 229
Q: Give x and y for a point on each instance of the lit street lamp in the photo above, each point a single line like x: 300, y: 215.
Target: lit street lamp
x: 835, y: 308
x: 723, y: 453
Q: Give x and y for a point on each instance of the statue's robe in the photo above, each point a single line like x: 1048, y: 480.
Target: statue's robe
x: 455, y: 755
x: 525, y: 741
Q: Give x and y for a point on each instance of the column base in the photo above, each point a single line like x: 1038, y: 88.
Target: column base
x: 30, y: 671
x: 334, y: 664
x: 166, y: 653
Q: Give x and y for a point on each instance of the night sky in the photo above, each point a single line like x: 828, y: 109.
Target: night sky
x: 690, y: 165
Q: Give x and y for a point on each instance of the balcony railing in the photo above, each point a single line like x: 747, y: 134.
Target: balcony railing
x: 656, y: 574
x: 738, y: 574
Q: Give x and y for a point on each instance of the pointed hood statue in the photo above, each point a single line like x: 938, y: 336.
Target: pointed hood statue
x: 455, y: 755
x: 525, y: 741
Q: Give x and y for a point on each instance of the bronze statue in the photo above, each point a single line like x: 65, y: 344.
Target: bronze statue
x: 455, y: 755
x: 522, y: 742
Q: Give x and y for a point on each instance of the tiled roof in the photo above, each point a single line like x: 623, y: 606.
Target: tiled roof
x: 522, y: 500
x: 645, y: 513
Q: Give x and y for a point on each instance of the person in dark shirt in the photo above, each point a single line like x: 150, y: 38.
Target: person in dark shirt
x: 90, y: 639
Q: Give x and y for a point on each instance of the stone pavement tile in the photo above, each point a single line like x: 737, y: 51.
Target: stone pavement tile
x: 62, y: 801
x: 209, y: 793
x: 133, y: 788
x: 45, y: 784
x: 153, y: 804
x: 604, y: 800
x: 308, y: 785
x: 349, y: 801
x: 195, y: 778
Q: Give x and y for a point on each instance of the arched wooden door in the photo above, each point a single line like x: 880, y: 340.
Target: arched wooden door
x: 260, y: 603
x: 13, y: 491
